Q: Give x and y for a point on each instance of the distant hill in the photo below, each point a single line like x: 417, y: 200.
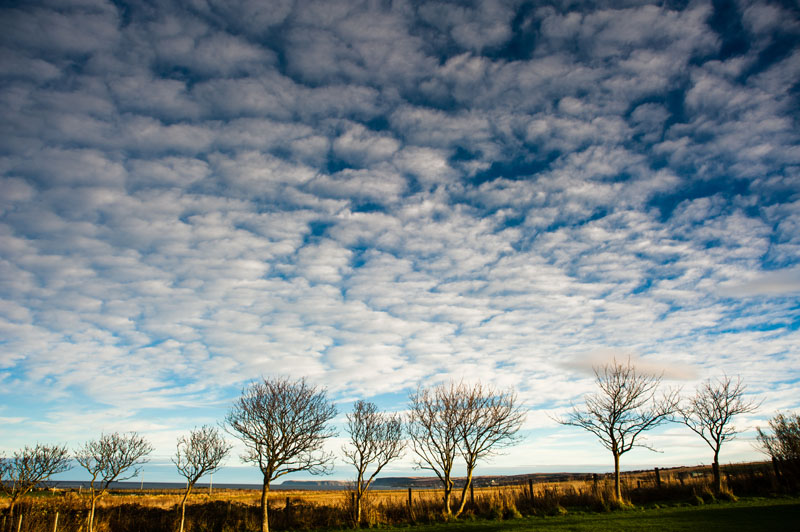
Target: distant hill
x: 481, y: 481
x: 429, y: 482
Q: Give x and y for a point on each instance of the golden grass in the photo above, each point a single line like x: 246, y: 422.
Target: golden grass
x: 166, y: 499
x: 124, y: 510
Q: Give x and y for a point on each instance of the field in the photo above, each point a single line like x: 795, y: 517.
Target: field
x: 678, y: 499
x: 747, y: 515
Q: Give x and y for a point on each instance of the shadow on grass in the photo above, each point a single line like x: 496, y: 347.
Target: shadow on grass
x: 753, y: 516
x: 714, y: 518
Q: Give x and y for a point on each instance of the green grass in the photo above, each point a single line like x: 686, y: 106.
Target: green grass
x: 781, y: 514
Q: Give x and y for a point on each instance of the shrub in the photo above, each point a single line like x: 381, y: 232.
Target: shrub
x: 511, y: 512
x: 707, y: 494
x: 495, y: 512
x: 559, y: 510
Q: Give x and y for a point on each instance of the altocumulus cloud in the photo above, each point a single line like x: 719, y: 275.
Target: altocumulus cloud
x: 376, y: 195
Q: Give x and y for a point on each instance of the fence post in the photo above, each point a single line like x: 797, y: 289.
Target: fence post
x: 472, y: 493
x: 530, y: 488
x: 658, y: 478
x: 409, y: 498
x: 55, y: 523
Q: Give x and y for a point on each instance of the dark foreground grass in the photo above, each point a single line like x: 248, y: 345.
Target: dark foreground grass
x: 502, y: 511
x: 781, y: 514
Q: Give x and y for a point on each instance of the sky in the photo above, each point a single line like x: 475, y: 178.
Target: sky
x: 385, y: 194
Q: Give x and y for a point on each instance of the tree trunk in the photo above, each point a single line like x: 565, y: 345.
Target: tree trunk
x: 265, y: 506
x: 91, y: 513
x: 617, y: 486
x: 464, y: 493
x: 359, y: 495
x: 717, y: 476
x: 183, y: 514
x: 448, y: 489
x: 183, y: 506
x: 356, y: 499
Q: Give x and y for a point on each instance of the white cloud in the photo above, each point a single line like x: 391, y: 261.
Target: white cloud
x: 82, y: 30
x: 379, y: 196
x: 360, y: 147
x: 784, y: 282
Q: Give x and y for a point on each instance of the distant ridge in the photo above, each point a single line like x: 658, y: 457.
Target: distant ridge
x: 380, y: 483
x: 480, y: 481
x: 430, y: 482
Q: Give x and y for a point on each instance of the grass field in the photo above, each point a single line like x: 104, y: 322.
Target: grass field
x: 682, y: 500
x: 751, y: 514
x: 780, y: 514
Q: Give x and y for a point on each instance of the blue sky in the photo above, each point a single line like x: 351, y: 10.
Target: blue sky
x: 376, y: 195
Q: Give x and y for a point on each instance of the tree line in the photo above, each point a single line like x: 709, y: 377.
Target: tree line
x: 284, y: 425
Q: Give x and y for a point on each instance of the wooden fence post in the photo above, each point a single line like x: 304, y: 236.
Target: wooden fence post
x: 530, y: 488
x: 472, y: 494
x: 658, y: 478
x: 409, y: 498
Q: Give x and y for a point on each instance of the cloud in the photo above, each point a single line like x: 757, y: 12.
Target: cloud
x: 75, y: 30
x: 771, y: 283
x: 375, y: 196
x: 358, y: 146
x: 475, y: 27
x: 588, y: 362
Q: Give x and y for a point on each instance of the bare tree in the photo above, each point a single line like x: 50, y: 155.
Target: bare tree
x: 199, y: 454
x: 434, y: 419
x: 488, y: 421
x: 29, y: 466
x: 783, y: 445
x: 784, y: 441
x: 283, y: 425
x: 625, y: 407
x: 376, y: 438
x: 710, y: 411
x: 108, y: 459
x: 4, y: 468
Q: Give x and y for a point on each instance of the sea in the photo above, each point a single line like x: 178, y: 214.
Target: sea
x: 134, y: 486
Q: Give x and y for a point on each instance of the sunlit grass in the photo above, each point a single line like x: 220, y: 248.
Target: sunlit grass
x: 578, y: 501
